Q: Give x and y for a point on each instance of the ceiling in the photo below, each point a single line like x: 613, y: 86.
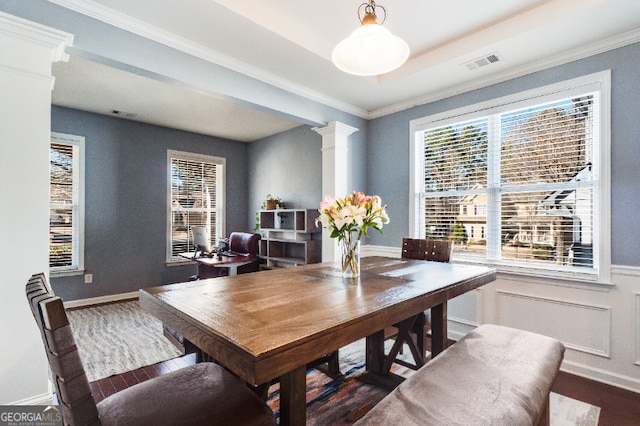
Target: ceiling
x: 288, y: 43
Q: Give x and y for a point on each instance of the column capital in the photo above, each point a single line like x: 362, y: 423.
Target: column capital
x: 36, y: 34
x: 335, y: 128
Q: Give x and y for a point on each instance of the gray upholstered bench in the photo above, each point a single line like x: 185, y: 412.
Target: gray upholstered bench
x: 493, y: 376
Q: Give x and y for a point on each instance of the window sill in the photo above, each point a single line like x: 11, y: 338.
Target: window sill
x: 545, y: 276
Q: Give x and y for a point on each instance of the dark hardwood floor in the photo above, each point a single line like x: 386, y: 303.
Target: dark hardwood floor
x: 618, y: 407
x: 104, y: 387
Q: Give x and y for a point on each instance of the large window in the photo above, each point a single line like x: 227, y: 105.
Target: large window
x: 521, y: 182
x: 66, y: 218
x: 196, y: 198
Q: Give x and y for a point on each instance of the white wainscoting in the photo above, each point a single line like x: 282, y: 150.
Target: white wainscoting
x: 599, y: 325
x: 589, y: 330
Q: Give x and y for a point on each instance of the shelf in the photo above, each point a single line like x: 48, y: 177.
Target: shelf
x: 290, y: 237
x: 289, y: 260
x: 290, y: 220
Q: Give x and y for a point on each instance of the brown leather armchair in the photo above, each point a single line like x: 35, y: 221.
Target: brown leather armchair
x: 239, y: 244
x: 244, y: 243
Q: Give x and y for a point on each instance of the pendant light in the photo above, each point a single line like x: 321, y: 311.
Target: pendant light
x: 371, y: 49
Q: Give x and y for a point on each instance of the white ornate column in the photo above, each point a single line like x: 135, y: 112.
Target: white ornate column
x: 27, y: 51
x: 335, y: 172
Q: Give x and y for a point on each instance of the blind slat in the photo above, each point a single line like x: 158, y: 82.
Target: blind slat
x: 193, y: 202
x: 63, y: 205
x: 540, y: 199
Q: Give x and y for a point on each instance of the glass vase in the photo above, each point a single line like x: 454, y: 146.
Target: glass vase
x: 350, y: 257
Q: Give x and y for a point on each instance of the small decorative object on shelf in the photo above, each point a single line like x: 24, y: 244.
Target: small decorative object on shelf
x: 271, y: 202
x: 348, y: 219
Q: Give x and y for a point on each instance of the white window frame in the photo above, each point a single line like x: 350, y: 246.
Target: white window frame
x: 598, y: 82
x: 77, y: 261
x: 220, y: 195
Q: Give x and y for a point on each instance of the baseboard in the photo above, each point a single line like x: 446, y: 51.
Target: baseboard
x: 457, y: 328
x: 607, y: 377
x: 43, y: 399
x: 100, y: 300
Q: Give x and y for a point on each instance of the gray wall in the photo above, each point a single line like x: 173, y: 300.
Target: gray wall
x: 289, y: 165
x: 388, y: 146
x: 126, y: 200
x: 379, y: 164
x: 126, y: 177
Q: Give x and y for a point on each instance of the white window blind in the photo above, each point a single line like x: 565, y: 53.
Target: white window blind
x: 516, y: 184
x: 547, y: 183
x: 66, y: 212
x: 196, y: 199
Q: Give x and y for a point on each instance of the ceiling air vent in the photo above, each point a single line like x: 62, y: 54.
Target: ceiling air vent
x: 481, y: 62
x: 124, y: 113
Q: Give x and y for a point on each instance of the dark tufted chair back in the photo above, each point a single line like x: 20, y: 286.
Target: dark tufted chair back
x: 434, y: 250
x: 244, y: 242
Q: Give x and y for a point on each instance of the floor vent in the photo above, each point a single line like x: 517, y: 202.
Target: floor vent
x: 481, y: 62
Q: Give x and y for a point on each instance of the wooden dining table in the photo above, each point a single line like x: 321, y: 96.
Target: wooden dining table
x: 270, y: 324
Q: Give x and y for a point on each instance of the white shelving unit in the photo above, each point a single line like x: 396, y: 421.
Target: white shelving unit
x: 290, y: 237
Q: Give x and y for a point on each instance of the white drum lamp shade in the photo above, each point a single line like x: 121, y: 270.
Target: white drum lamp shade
x: 371, y: 49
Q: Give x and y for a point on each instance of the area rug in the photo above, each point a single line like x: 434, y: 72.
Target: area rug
x: 345, y: 400
x: 119, y: 337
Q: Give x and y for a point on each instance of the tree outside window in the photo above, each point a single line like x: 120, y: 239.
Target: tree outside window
x: 515, y: 185
x: 196, y: 199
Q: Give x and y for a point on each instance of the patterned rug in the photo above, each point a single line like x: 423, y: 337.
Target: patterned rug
x: 119, y: 337
x: 343, y: 401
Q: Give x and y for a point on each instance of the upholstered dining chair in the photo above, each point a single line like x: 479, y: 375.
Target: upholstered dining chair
x: 414, y: 331
x: 421, y: 249
x: 200, y: 394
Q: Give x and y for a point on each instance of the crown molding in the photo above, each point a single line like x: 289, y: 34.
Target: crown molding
x: 535, y: 66
x: 135, y: 26
x: 111, y: 17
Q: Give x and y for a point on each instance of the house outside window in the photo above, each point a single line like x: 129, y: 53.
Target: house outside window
x: 196, y: 198
x: 66, y: 216
x: 533, y: 168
